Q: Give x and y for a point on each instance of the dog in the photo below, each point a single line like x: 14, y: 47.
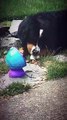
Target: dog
x: 47, y: 30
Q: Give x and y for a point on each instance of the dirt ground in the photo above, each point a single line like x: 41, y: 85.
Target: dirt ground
x: 45, y: 101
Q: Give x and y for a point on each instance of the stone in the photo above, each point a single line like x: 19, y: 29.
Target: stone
x: 10, y: 42
x: 14, y: 26
x: 61, y: 58
x: 7, y: 40
x: 4, y: 31
x: 34, y: 75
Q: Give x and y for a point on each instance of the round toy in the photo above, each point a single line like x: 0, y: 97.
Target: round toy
x: 14, y: 59
x: 16, y: 73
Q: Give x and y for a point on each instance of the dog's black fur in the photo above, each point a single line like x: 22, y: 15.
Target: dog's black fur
x: 54, y: 25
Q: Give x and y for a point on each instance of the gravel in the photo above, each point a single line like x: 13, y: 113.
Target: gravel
x: 45, y: 101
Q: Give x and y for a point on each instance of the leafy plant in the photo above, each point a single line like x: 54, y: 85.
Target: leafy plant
x: 14, y: 89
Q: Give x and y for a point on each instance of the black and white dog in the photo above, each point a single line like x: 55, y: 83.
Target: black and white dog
x: 46, y: 29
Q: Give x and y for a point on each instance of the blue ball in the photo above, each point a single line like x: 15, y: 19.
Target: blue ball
x: 14, y: 59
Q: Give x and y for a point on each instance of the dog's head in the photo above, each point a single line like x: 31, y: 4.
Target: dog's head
x: 33, y: 50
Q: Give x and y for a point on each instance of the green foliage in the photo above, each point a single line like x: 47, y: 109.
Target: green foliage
x: 44, y: 59
x: 3, y: 68
x: 57, y: 70
x: 5, y: 23
x: 21, y: 8
x: 14, y: 89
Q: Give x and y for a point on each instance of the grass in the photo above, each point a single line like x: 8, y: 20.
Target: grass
x: 14, y: 89
x: 21, y: 8
x: 55, y: 69
x: 44, y: 59
x: 3, y: 68
x: 5, y: 23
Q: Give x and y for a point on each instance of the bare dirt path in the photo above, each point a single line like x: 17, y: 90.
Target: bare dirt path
x: 46, y: 101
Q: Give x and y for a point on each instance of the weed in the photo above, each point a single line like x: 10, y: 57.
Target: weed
x: 55, y: 69
x: 14, y: 89
x: 3, y: 68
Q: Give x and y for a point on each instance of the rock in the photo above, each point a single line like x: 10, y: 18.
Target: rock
x: 34, y: 75
x: 14, y: 26
x: 5, y: 39
x: 61, y: 58
x: 8, y: 42
x: 4, y: 31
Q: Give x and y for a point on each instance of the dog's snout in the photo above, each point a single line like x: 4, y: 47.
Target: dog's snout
x: 35, y: 52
